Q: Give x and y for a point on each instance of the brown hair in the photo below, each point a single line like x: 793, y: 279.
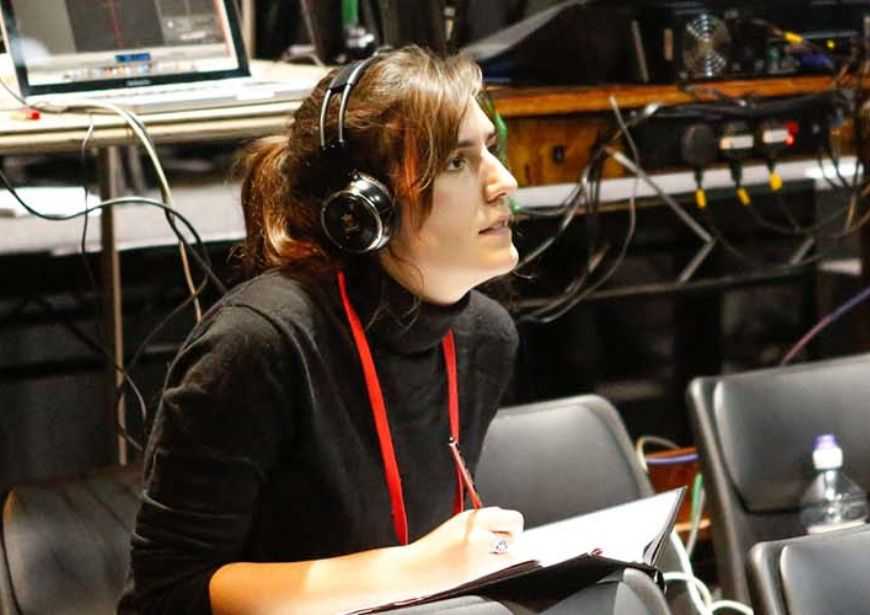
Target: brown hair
x: 401, y: 125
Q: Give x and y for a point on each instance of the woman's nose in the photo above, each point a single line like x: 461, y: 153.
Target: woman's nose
x: 500, y: 183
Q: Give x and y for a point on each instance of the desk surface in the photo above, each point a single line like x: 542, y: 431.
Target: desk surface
x: 212, y: 207
x: 65, y: 132
x: 513, y: 102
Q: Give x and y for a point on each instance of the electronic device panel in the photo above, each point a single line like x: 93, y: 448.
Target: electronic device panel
x: 688, y: 40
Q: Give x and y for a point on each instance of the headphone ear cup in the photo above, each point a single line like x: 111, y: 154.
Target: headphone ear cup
x: 361, y: 216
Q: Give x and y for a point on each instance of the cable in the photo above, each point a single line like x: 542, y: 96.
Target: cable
x: 675, y: 460
x: 828, y: 148
x: 796, y: 229
x: 697, y: 485
x: 551, y: 311
x: 698, y: 591
x: 98, y: 308
x: 580, y: 195
x: 702, y: 231
x: 210, y: 276
x: 688, y: 220
x: 697, y: 511
x: 126, y: 200
x: 695, y: 90
x: 733, y: 605
x: 699, y: 594
x: 795, y: 39
x: 823, y: 323
x: 143, y: 345
x: 645, y: 461
x: 755, y: 109
x: 138, y: 128
x: 713, y: 227
x: 575, y: 293
x: 587, y: 192
x: 641, y: 443
x: 567, y: 212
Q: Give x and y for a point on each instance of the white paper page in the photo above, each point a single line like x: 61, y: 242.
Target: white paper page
x: 621, y: 532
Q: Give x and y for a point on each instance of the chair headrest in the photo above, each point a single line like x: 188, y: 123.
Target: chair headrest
x: 767, y: 422
x: 582, y: 443
x: 843, y: 587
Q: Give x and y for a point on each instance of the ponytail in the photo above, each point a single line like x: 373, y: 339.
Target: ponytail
x: 279, y: 229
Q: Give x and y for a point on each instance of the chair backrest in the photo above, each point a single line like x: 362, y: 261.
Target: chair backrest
x: 755, y: 433
x: 559, y: 458
x: 822, y: 573
x: 565, y: 457
x: 65, y: 544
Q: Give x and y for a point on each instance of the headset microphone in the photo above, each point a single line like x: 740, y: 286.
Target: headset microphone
x: 360, y: 216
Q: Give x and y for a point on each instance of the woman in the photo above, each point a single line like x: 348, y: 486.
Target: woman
x: 299, y: 460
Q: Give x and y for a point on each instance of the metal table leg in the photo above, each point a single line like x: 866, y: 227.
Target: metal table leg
x: 109, y: 165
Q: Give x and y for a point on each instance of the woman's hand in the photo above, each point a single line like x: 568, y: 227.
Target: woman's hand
x: 459, y: 550
x: 468, y: 545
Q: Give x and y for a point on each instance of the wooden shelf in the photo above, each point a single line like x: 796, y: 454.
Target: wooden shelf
x: 513, y: 102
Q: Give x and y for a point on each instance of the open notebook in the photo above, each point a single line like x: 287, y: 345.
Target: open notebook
x: 145, y: 55
x: 573, y: 552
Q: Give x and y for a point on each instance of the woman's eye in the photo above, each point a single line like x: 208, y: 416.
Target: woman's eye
x: 457, y: 163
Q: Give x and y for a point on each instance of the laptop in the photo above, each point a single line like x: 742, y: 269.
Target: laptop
x: 145, y: 55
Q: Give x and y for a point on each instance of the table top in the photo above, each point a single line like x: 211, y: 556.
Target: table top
x: 212, y: 207
x: 66, y: 131
x: 536, y: 101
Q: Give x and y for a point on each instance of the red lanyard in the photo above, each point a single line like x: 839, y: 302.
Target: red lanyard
x: 379, y: 412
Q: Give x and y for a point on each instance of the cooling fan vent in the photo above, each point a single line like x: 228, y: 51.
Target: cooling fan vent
x: 706, y: 44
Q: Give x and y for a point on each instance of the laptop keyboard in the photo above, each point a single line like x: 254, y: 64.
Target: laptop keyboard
x: 187, y: 92
x: 191, y: 96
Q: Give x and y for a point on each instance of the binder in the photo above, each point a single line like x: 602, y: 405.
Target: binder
x: 569, y: 554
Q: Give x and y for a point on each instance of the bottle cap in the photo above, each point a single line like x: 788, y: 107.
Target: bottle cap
x: 827, y: 454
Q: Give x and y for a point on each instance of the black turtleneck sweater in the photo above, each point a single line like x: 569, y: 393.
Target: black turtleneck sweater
x: 264, y: 448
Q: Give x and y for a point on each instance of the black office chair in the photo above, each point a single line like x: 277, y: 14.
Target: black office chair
x: 64, y: 546
x: 822, y: 573
x: 561, y: 458
x: 755, y: 433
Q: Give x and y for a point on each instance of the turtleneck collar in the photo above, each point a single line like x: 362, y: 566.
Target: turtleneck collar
x: 395, y: 317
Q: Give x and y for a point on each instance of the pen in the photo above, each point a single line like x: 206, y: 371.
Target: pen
x: 463, y: 472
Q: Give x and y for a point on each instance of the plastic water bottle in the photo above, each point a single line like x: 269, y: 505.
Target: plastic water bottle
x: 833, y: 501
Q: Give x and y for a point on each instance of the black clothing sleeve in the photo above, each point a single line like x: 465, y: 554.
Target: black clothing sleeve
x: 214, y: 439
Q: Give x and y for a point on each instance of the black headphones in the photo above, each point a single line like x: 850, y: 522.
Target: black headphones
x: 360, y: 216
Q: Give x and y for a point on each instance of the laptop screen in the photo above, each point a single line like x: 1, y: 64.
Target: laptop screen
x: 86, y: 45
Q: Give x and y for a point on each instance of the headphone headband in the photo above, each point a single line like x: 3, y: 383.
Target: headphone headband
x: 344, y: 80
